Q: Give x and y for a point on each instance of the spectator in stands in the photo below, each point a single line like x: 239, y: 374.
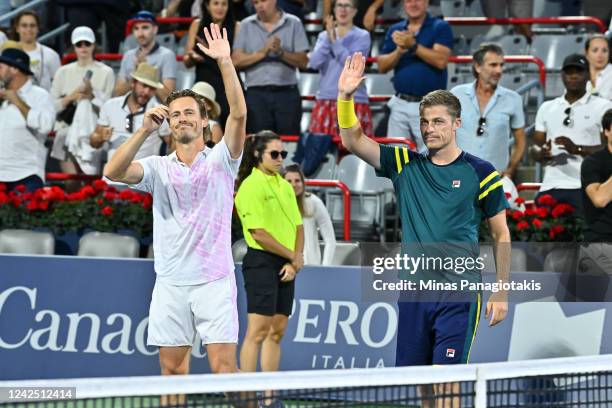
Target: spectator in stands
x: 83, y: 80
x: 491, y: 115
x: 122, y: 115
x: 44, y: 62
x: 316, y: 220
x: 596, y: 175
x: 213, y: 132
x: 145, y: 30
x: 206, y: 69
x: 417, y: 49
x: 597, y: 52
x: 567, y: 129
x: 269, y: 47
x: 510, y: 8
x: 26, y: 117
x: 273, y: 230
x: 339, y: 40
x: 367, y: 11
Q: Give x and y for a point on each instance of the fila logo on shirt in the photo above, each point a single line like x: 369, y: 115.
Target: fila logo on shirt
x: 456, y: 183
x: 450, y: 353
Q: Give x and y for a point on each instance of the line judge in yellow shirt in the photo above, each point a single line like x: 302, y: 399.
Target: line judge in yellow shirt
x: 272, y: 226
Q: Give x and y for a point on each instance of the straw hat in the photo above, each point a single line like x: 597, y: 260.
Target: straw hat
x: 206, y: 90
x: 147, y: 74
x: 11, y: 44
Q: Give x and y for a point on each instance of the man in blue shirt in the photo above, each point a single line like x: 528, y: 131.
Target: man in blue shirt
x: 490, y: 114
x: 417, y: 49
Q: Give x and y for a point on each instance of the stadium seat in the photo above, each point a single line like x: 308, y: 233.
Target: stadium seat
x: 239, y: 250
x: 512, y: 81
x: 327, y: 171
x: 512, y: 44
x: 560, y: 260
x: 185, y: 77
x: 167, y: 40
x: 518, y: 261
x: 290, y: 147
x: 380, y: 84
x: 127, y: 44
x: 552, y: 49
x: 367, y: 199
x: 308, y: 83
x: 108, y: 245
x: 346, y: 254
x: 16, y: 241
x: 180, y: 47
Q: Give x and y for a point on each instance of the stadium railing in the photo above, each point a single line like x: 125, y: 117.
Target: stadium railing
x: 458, y: 21
x: 346, y: 198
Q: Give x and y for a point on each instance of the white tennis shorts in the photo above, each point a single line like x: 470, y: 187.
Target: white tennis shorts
x: 177, y: 312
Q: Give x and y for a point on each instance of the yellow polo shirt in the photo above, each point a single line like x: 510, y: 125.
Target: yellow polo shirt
x: 269, y: 203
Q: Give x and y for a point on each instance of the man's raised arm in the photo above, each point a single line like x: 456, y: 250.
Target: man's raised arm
x: 351, y: 133
x: 121, y: 167
x: 235, y: 127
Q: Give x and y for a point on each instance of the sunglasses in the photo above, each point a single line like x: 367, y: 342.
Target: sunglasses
x: 81, y: 44
x: 344, y: 6
x: 275, y: 153
x: 129, y: 123
x: 567, y: 122
x: 482, y: 122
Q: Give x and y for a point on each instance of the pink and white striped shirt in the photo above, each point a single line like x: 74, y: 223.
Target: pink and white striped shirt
x: 192, y: 214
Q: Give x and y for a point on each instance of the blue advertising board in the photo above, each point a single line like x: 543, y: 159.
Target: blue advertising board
x: 66, y: 317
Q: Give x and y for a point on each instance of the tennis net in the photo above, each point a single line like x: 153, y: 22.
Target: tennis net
x: 565, y: 382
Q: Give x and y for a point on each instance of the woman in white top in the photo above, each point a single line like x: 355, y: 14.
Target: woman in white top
x: 85, y: 78
x: 315, y: 218
x: 44, y: 62
x: 597, y: 52
x: 214, y: 132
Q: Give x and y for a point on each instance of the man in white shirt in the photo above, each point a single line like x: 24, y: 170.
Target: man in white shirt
x: 573, y: 122
x: 123, y: 115
x: 192, y: 188
x: 27, y: 115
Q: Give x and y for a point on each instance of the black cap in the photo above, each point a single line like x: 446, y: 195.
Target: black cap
x: 16, y: 58
x: 576, y: 60
x: 144, y: 15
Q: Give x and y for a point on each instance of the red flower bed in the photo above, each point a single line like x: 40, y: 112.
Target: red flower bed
x: 97, y: 206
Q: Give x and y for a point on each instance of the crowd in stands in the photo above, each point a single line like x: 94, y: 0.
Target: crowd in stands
x: 93, y: 110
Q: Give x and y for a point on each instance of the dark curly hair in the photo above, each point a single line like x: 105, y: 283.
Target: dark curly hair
x: 254, y: 148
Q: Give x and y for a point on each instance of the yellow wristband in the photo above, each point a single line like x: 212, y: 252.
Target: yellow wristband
x: 346, y: 114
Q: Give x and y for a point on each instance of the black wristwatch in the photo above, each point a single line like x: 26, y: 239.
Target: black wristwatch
x: 412, y: 49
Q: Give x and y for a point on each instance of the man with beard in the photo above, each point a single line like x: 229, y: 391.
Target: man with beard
x: 26, y: 117
x: 148, y: 50
x: 491, y: 115
x: 192, y: 188
x: 567, y: 129
x: 121, y: 116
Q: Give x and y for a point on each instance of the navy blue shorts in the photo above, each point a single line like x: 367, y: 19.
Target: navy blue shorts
x: 436, y: 332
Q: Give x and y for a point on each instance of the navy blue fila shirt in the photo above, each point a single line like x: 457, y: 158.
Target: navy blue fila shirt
x: 442, y: 204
